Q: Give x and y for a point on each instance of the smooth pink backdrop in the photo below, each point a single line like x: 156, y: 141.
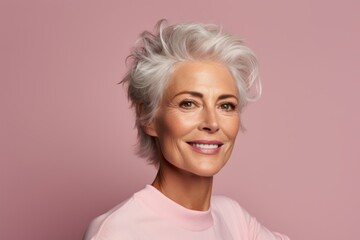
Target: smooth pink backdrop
x: 66, y: 136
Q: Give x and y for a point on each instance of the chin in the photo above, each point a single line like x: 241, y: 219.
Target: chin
x: 206, y: 172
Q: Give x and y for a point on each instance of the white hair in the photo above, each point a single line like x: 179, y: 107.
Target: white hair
x: 154, y: 58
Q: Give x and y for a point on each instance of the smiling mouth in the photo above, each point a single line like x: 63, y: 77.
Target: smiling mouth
x: 206, y: 148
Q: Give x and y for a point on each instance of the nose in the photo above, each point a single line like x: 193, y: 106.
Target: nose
x: 209, y: 121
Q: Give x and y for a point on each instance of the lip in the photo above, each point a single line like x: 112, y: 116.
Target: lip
x: 207, y: 147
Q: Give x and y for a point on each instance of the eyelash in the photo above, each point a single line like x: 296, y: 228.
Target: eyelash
x: 183, y: 104
x: 230, y: 104
x: 225, y: 106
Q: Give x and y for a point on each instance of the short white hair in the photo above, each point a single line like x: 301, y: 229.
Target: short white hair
x: 153, y: 61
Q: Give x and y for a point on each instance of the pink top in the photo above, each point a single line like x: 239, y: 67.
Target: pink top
x: 149, y: 214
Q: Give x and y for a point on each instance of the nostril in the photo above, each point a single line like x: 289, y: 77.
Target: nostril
x: 209, y: 122
x: 210, y: 129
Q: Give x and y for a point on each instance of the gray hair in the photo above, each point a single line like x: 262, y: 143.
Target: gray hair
x: 153, y: 61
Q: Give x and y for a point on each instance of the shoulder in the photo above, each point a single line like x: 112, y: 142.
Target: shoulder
x: 230, y: 209
x: 117, y: 223
x: 236, y: 217
x: 226, y: 204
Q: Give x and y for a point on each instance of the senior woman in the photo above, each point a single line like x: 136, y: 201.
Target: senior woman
x: 188, y: 84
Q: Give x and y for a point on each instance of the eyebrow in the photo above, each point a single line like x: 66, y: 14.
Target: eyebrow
x: 200, y: 95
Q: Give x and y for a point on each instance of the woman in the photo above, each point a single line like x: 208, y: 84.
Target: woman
x: 188, y: 84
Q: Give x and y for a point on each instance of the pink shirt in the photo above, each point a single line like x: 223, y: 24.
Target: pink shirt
x: 149, y: 214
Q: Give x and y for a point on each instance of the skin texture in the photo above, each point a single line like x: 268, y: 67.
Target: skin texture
x: 195, y: 129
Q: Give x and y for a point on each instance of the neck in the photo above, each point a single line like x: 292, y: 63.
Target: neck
x: 187, y: 189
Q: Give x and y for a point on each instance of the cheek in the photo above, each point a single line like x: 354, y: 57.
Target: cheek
x: 169, y: 128
x: 176, y: 125
x: 231, y: 127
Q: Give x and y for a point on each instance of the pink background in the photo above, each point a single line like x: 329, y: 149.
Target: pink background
x: 66, y: 133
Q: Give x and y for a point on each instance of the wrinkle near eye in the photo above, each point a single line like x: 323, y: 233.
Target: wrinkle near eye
x: 171, y: 104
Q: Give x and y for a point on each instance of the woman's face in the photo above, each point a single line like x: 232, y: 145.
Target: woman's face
x: 198, y: 120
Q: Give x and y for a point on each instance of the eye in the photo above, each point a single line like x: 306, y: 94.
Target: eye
x: 187, y: 104
x: 228, y: 106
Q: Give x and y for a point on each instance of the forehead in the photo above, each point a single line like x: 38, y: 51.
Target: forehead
x: 202, y: 76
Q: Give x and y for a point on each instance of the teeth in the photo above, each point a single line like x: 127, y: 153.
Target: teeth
x: 207, y: 146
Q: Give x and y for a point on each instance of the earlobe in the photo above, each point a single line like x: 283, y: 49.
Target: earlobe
x: 149, y: 128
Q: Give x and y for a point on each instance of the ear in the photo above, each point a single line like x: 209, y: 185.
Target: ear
x: 149, y: 128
